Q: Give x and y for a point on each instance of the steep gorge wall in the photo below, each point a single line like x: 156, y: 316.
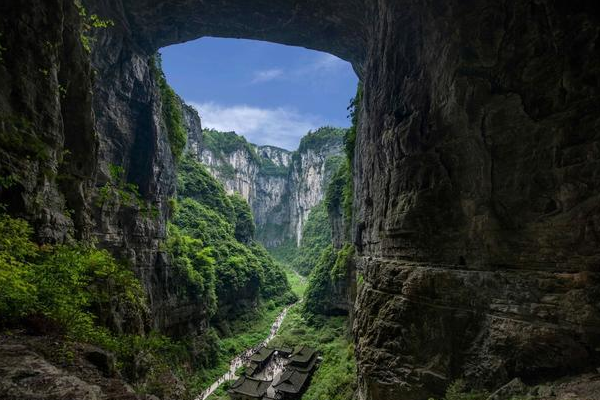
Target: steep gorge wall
x: 281, y: 186
x: 476, y: 174
x: 477, y: 183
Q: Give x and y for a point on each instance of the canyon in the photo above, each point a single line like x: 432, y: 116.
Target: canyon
x: 476, y: 169
x: 281, y: 186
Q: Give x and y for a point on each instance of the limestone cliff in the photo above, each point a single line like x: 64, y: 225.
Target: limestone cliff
x: 281, y: 186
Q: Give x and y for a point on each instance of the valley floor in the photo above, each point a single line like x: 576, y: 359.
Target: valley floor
x: 335, y: 379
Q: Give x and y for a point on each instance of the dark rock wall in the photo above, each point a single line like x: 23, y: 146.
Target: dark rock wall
x: 477, y: 168
x: 47, y: 138
x: 133, y: 135
x: 477, y: 177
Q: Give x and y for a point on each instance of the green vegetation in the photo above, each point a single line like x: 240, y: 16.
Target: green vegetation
x: 63, y: 290
x: 88, y: 24
x: 338, y: 196
x: 195, y: 182
x: 221, y: 144
x: 61, y: 283
x: 335, y: 379
x: 343, y: 257
x: 316, y: 233
x: 316, y: 236
x: 350, y: 137
x: 269, y: 168
x: 53, y: 289
x: 297, y: 282
x: 222, y: 226
x: 321, y: 138
x: 287, y: 251
x: 340, y: 191
x: 195, y: 266
x: 172, y: 112
x: 18, y: 136
x: 329, y: 269
x: 244, y: 220
x: 119, y: 191
x: 242, y: 333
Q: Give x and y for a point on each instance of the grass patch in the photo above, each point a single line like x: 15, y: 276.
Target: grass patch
x: 335, y: 379
x: 297, y: 282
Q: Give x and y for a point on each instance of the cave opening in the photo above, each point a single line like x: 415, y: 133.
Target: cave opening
x: 270, y: 124
x: 275, y: 102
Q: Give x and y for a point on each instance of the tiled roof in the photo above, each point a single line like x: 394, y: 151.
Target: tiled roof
x: 250, y: 387
x: 303, y: 354
x: 263, y: 354
x: 307, y: 368
x: 284, y: 350
x: 291, y: 381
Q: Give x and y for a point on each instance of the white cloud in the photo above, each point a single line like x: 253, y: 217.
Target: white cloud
x: 324, y: 64
x: 329, y: 62
x: 267, y: 75
x: 282, y: 127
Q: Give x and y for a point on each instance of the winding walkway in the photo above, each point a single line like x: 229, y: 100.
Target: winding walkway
x: 244, y: 358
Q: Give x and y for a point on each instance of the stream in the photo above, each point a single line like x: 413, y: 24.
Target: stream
x: 244, y: 358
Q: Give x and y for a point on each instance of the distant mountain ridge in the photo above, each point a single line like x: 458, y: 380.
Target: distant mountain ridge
x: 281, y: 186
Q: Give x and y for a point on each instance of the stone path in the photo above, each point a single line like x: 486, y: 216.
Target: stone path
x: 244, y: 358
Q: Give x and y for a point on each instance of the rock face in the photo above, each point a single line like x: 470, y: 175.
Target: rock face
x: 47, y: 159
x: 476, y: 174
x: 477, y: 192
x: 312, y: 168
x: 281, y: 186
x: 32, y: 368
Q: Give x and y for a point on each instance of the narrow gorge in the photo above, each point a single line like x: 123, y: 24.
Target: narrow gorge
x: 451, y: 236
x: 281, y: 186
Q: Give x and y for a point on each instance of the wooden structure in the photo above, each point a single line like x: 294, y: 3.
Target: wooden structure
x: 261, y: 357
x: 292, y: 384
x: 247, y: 388
x: 303, y: 359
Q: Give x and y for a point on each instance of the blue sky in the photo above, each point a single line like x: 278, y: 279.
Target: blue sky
x: 272, y: 94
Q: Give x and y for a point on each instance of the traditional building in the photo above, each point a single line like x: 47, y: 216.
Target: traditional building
x: 261, y: 357
x: 303, y: 359
x: 291, y: 384
x: 284, y: 351
x: 246, y: 388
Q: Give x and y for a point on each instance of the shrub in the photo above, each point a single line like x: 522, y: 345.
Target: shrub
x: 172, y: 112
x: 195, y: 265
x: 119, y: 191
x: 222, y: 144
x: 244, y: 221
x: 18, y: 294
x: 316, y: 236
x: 62, y: 283
x: 320, y: 138
x: 225, y: 224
